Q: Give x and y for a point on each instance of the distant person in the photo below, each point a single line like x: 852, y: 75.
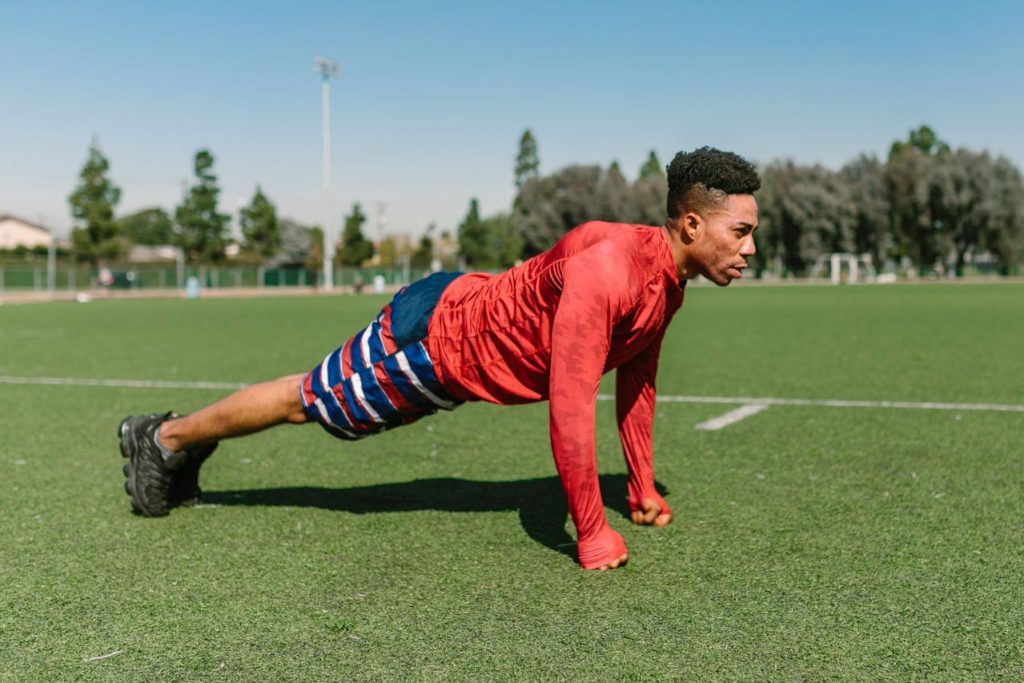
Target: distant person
x: 105, y: 278
x: 548, y: 329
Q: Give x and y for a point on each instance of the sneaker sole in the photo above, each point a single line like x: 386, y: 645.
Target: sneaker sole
x: 123, y: 433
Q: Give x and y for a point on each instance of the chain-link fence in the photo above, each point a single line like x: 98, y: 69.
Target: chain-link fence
x: 22, y: 278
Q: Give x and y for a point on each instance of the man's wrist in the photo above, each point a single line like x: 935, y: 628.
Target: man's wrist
x: 600, y: 548
x: 638, y: 492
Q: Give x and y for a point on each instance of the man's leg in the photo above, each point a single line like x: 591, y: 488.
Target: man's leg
x: 248, y: 410
x: 166, y: 452
x: 379, y: 379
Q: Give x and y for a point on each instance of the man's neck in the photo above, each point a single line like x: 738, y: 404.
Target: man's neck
x: 678, y: 250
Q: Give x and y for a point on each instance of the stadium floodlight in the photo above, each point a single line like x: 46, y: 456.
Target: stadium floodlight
x: 326, y: 66
x: 328, y: 69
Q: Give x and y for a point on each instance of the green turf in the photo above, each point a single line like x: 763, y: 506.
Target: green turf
x: 810, y: 543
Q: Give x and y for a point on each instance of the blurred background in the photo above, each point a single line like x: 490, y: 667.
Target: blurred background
x: 142, y: 145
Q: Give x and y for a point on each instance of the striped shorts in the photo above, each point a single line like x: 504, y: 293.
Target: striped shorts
x: 382, y: 377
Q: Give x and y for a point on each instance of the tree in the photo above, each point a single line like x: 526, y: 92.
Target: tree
x: 864, y: 182
x: 805, y: 211
x: 770, y: 219
x: 503, y: 241
x: 817, y: 205
x: 201, y: 228
x: 647, y: 200
x: 315, y: 256
x: 959, y: 187
x: 92, y: 206
x: 975, y: 203
x: 259, y: 225
x: 906, y: 189
x: 489, y: 243
x: 924, y: 140
x: 527, y: 161
x: 295, y: 246
x: 472, y: 235
x: 355, y: 248
x: 613, y: 196
x: 1004, y: 231
x: 152, y: 226
x: 652, y: 167
x: 389, y: 253
x: 647, y: 195
x: 916, y: 232
x: 423, y: 256
x: 549, y: 206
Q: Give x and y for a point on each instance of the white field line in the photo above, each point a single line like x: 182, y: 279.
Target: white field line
x: 841, y: 403
x: 732, y: 417
x: 735, y: 400
x: 96, y: 659
x: 121, y: 383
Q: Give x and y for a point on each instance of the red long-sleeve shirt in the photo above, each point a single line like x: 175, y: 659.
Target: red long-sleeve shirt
x: 599, y: 299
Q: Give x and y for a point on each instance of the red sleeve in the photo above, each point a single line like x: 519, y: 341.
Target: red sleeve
x: 593, y: 282
x: 634, y: 405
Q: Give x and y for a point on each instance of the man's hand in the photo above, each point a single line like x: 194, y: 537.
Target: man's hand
x: 602, y: 551
x: 619, y: 561
x: 653, y: 513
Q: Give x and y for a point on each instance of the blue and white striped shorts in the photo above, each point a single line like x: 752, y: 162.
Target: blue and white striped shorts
x: 382, y: 377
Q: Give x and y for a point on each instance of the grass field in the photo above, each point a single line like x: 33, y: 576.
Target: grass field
x: 810, y: 542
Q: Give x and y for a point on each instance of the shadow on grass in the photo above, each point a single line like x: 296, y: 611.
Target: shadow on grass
x: 540, y: 502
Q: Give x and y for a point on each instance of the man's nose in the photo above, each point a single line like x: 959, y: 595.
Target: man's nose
x: 747, y: 247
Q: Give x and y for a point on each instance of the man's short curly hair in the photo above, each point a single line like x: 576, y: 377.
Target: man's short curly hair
x: 703, y: 178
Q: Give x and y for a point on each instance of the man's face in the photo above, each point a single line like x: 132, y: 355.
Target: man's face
x: 725, y: 239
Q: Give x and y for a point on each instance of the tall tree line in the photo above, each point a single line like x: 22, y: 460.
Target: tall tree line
x: 547, y: 206
x: 926, y: 203
x: 198, y: 226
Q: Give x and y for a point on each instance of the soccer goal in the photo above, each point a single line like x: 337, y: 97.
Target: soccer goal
x: 844, y: 268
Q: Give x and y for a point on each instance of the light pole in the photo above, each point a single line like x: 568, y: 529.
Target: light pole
x: 328, y: 69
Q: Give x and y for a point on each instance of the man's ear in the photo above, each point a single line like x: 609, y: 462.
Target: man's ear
x: 691, y: 224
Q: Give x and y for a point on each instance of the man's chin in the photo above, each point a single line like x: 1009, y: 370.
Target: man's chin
x: 728, y: 276
x: 724, y: 279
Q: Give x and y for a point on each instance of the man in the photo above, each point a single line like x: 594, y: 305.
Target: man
x: 600, y: 299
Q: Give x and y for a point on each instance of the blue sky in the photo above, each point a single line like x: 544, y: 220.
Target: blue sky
x: 433, y: 96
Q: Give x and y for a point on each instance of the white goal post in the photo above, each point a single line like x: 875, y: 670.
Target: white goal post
x: 844, y: 268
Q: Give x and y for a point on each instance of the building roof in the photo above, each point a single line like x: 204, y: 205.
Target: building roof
x: 10, y: 217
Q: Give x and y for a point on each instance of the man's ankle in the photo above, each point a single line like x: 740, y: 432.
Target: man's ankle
x: 166, y: 438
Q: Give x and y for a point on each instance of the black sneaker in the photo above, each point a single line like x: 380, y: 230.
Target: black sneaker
x: 157, y: 484
x: 185, y: 485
